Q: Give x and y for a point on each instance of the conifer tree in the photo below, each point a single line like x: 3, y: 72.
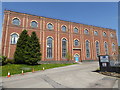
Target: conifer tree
x: 33, y: 54
x: 21, y: 48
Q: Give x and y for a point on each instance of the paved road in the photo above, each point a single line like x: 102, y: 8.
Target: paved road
x: 73, y: 76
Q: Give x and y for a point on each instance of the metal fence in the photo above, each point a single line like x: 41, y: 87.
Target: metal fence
x: 115, y: 60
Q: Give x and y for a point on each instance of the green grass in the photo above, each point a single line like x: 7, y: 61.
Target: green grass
x: 17, y: 68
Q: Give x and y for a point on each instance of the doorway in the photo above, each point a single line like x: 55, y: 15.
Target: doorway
x: 76, y: 57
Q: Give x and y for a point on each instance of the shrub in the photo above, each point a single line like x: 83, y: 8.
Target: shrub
x: 0, y: 59
x: 4, y: 60
x: 68, y: 56
x: 10, y: 61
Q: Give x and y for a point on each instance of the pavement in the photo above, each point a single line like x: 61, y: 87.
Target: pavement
x: 80, y: 75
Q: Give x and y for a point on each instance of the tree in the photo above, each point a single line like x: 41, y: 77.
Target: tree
x: 3, y: 60
x: 33, y: 54
x: 68, y: 56
x: 21, y: 48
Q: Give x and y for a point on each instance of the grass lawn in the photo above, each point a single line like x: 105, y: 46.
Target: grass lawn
x: 17, y: 68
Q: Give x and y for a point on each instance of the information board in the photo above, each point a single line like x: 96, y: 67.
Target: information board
x: 104, y: 59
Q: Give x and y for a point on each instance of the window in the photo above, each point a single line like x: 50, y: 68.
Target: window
x: 16, y: 21
x: 34, y: 24
x: 113, y: 47
x: 86, y: 31
x: 97, y: 48
x: 87, y: 49
x: 64, y: 48
x: 50, y: 26
x: 104, y: 34
x: 111, y: 35
x: 76, y: 43
x: 75, y: 30
x: 106, y: 47
x: 95, y: 33
x: 64, y: 28
x: 49, y: 47
x: 76, y: 55
x: 14, y: 38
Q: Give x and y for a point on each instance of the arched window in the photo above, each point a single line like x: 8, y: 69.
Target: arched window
x: 113, y: 47
x: 14, y: 38
x: 49, y: 47
x: 97, y: 48
x: 64, y: 48
x: 104, y: 34
x: 75, y: 30
x: 95, y: 33
x: 16, y: 21
x: 76, y: 55
x: 111, y: 35
x: 86, y: 31
x: 64, y: 28
x: 87, y: 49
x: 34, y: 24
x: 50, y: 26
x: 106, y: 47
x: 76, y: 42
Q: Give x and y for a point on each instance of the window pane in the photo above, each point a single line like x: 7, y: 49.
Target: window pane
x: 16, y: 21
x: 64, y: 28
x: 34, y: 24
x: 87, y: 49
x: 14, y: 38
x: 76, y: 43
x: 64, y: 48
x: 113, y: 47
x: 50, y: 26
x: 86, y: 31
x: 95, y: 33
x: 75, y: 30
x: 106, y: 48
x: 104, y: 34
x: 111, y: 35
x: 97, y: 49
x: 49, y: 47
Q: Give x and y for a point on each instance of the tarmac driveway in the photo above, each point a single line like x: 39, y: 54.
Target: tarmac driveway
x: 73, y: 76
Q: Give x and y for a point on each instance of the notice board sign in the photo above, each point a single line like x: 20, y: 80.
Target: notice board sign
x: 104, y: 62
x: 104, y: 58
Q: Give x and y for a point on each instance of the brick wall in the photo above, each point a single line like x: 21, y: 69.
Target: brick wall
x: 57, y: 34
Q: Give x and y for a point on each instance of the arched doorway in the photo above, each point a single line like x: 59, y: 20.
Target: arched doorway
x: 76, y: 57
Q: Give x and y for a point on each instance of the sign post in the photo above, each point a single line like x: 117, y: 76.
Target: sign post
x: 104, y: 62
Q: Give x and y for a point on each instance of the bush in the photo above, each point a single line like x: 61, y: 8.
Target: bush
x: 10, y: 61
x: 4, y: 60
x: 0, y: 59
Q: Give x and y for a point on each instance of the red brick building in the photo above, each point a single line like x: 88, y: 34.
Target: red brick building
x: 58, y: 37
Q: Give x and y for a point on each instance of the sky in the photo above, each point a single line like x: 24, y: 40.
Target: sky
x: 102, y: 14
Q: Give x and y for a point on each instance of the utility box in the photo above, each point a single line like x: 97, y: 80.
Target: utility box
x: 104, y: 62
